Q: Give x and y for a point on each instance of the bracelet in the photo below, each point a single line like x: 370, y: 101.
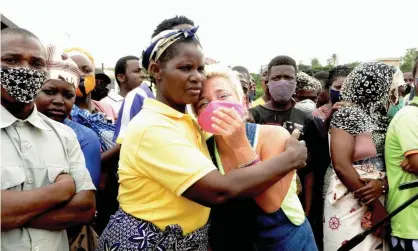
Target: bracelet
x: 383, y: 187
x: 253, y: 161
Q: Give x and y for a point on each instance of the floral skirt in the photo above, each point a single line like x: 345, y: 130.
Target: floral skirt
x: 125, y: 232
x: 343, y: 214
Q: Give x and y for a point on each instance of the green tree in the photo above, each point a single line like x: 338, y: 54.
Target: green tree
x: 407, y: 61
x: 315, y: 64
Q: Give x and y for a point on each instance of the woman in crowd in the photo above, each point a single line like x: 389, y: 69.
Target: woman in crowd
x: 273, y: 221
x: 357, y: 138
x: 56, y: 99
x: 306, y: 93
x: 336, y: 78
x: 85, y: 62
x: 86, y: 111
x: 167, y: 180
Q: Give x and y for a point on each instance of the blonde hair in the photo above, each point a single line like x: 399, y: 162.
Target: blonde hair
x: 217, y: 70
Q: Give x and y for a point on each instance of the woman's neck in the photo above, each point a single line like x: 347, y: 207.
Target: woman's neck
x: 177, y: 107
x: 85, y: 103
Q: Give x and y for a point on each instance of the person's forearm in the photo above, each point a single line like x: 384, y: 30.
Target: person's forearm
x: 349, y: 177
x: 111, y: 155
x: 18, y: 207
x: 79, y: 211
x: 252, y: 181
x: 308, y: 184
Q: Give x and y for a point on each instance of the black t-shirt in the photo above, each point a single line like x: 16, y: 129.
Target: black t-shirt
x: 291, y: 119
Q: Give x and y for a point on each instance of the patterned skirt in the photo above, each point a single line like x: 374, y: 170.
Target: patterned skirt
x: 344, y: 214
x: 125, y: 232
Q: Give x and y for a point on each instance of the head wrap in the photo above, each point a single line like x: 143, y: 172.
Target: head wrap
x: 87, y: 83
x: 78, y: 51
x: 367, y: 88
x: 304, y: 82
x: 162, y: 41
x: 369, y: 84
x: 61, y: 67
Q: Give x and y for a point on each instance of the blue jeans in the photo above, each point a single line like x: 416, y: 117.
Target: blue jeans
x: 277, y: 232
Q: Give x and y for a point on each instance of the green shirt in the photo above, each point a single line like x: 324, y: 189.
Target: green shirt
x: 401, y: 139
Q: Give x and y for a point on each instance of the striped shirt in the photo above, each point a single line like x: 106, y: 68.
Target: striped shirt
x: 131, y: 106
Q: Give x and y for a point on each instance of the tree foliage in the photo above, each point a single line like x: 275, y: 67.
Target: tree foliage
x: 408, y: 60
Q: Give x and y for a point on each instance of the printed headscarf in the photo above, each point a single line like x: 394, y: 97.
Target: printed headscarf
x: 367, y: 88
x: 162, y: 41
x: 304, y: 82
x: 61, y: 66
x: 87, y: 83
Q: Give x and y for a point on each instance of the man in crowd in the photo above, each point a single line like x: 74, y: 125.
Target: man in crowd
x: 280, y: 110
x: 401, y: 157
x: 101, y: 90
x: 323, y: 97
x: 128, y: 75
x: 265, y: 97
x: 46, y: 187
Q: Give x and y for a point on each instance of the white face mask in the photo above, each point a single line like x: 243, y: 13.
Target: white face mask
x: 306, y: 105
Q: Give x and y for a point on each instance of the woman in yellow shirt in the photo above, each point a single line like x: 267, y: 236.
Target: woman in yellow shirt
x: 167, y: 180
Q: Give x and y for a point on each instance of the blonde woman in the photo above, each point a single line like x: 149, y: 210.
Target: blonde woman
x: 275, y: 220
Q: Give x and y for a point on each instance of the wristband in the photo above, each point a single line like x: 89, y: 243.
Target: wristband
x: 253, y: 161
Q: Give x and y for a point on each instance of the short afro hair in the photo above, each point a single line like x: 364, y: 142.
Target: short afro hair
x: 282, y: 60
x: 18, y: 31
x: 336, y: 72
x: 120, y: 67
x: 243, y: 71
x: 168, y: 24
x: 321, y: 75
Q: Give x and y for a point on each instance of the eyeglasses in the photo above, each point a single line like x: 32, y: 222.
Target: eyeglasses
x: 408, y: 80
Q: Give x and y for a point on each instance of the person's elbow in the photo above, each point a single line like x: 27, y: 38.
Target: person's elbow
x: 87, y: 208
x: 9, y: 222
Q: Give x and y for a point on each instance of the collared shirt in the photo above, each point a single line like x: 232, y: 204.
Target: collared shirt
x: 163, y: 154
x: 34, y: 152
x: 114, y: 100
x: 131, y: 106
x: 401, y: 142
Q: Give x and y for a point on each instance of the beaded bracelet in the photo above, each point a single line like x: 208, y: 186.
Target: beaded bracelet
x: 253, y: 161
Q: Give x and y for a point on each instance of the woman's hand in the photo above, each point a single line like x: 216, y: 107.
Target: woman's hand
x: 228, y: 124
x: 370, y: 192
x: 379, y: 212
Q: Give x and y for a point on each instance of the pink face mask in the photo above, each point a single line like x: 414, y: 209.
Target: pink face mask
x: 205, y: 118
x: 281, y: 91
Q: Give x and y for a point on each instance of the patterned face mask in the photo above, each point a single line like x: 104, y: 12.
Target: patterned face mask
x: 21, y: 83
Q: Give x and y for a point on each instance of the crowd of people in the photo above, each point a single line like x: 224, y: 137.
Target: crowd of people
x: 308, y: 165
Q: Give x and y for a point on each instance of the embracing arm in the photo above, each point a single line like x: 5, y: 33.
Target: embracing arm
x: 80, y: 210
x: 19, y: 207
x: 215, y: 188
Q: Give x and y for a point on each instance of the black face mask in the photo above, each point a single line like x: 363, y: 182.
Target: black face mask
x: 21, y: 83
x: 100, y: 91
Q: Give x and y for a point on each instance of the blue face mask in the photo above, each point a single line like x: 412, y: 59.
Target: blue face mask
x: 334, y: 96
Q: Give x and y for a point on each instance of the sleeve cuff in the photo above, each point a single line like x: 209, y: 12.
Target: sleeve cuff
x: 189, y: 182
x: 412, y: 152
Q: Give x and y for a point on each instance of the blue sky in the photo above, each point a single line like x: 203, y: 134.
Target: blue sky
x: 248, y: 33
